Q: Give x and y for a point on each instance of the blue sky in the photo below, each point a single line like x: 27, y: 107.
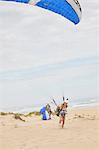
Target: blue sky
x: 43, y: 55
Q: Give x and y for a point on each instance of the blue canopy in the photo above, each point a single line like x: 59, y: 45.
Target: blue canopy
x: 44, y: 113
x: 70, y: 9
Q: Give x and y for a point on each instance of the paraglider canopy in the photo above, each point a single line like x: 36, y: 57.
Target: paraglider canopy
x: 70, y: 9
x: 44, y: 113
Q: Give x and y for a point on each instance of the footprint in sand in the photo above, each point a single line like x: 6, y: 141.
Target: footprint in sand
x: 2, y: 123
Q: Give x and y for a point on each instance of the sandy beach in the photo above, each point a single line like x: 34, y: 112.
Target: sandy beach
x: 81, y: 132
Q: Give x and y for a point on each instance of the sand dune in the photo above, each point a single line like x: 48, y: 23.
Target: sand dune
x: 81, y: 132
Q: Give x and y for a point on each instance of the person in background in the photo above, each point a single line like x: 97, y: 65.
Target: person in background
x: 48, y: 108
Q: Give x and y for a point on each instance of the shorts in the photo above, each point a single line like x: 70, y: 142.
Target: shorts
x: 62, y: 113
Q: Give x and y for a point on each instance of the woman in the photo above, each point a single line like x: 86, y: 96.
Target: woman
x: 63, y: 111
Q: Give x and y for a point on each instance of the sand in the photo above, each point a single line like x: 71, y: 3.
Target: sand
x: 81, y: 132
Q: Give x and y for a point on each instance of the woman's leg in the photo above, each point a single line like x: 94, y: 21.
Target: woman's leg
x: 60, y: 119
x: 63, y: 121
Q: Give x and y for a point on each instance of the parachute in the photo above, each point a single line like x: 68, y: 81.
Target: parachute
x: 44, y: 113
x: 70, y: 9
